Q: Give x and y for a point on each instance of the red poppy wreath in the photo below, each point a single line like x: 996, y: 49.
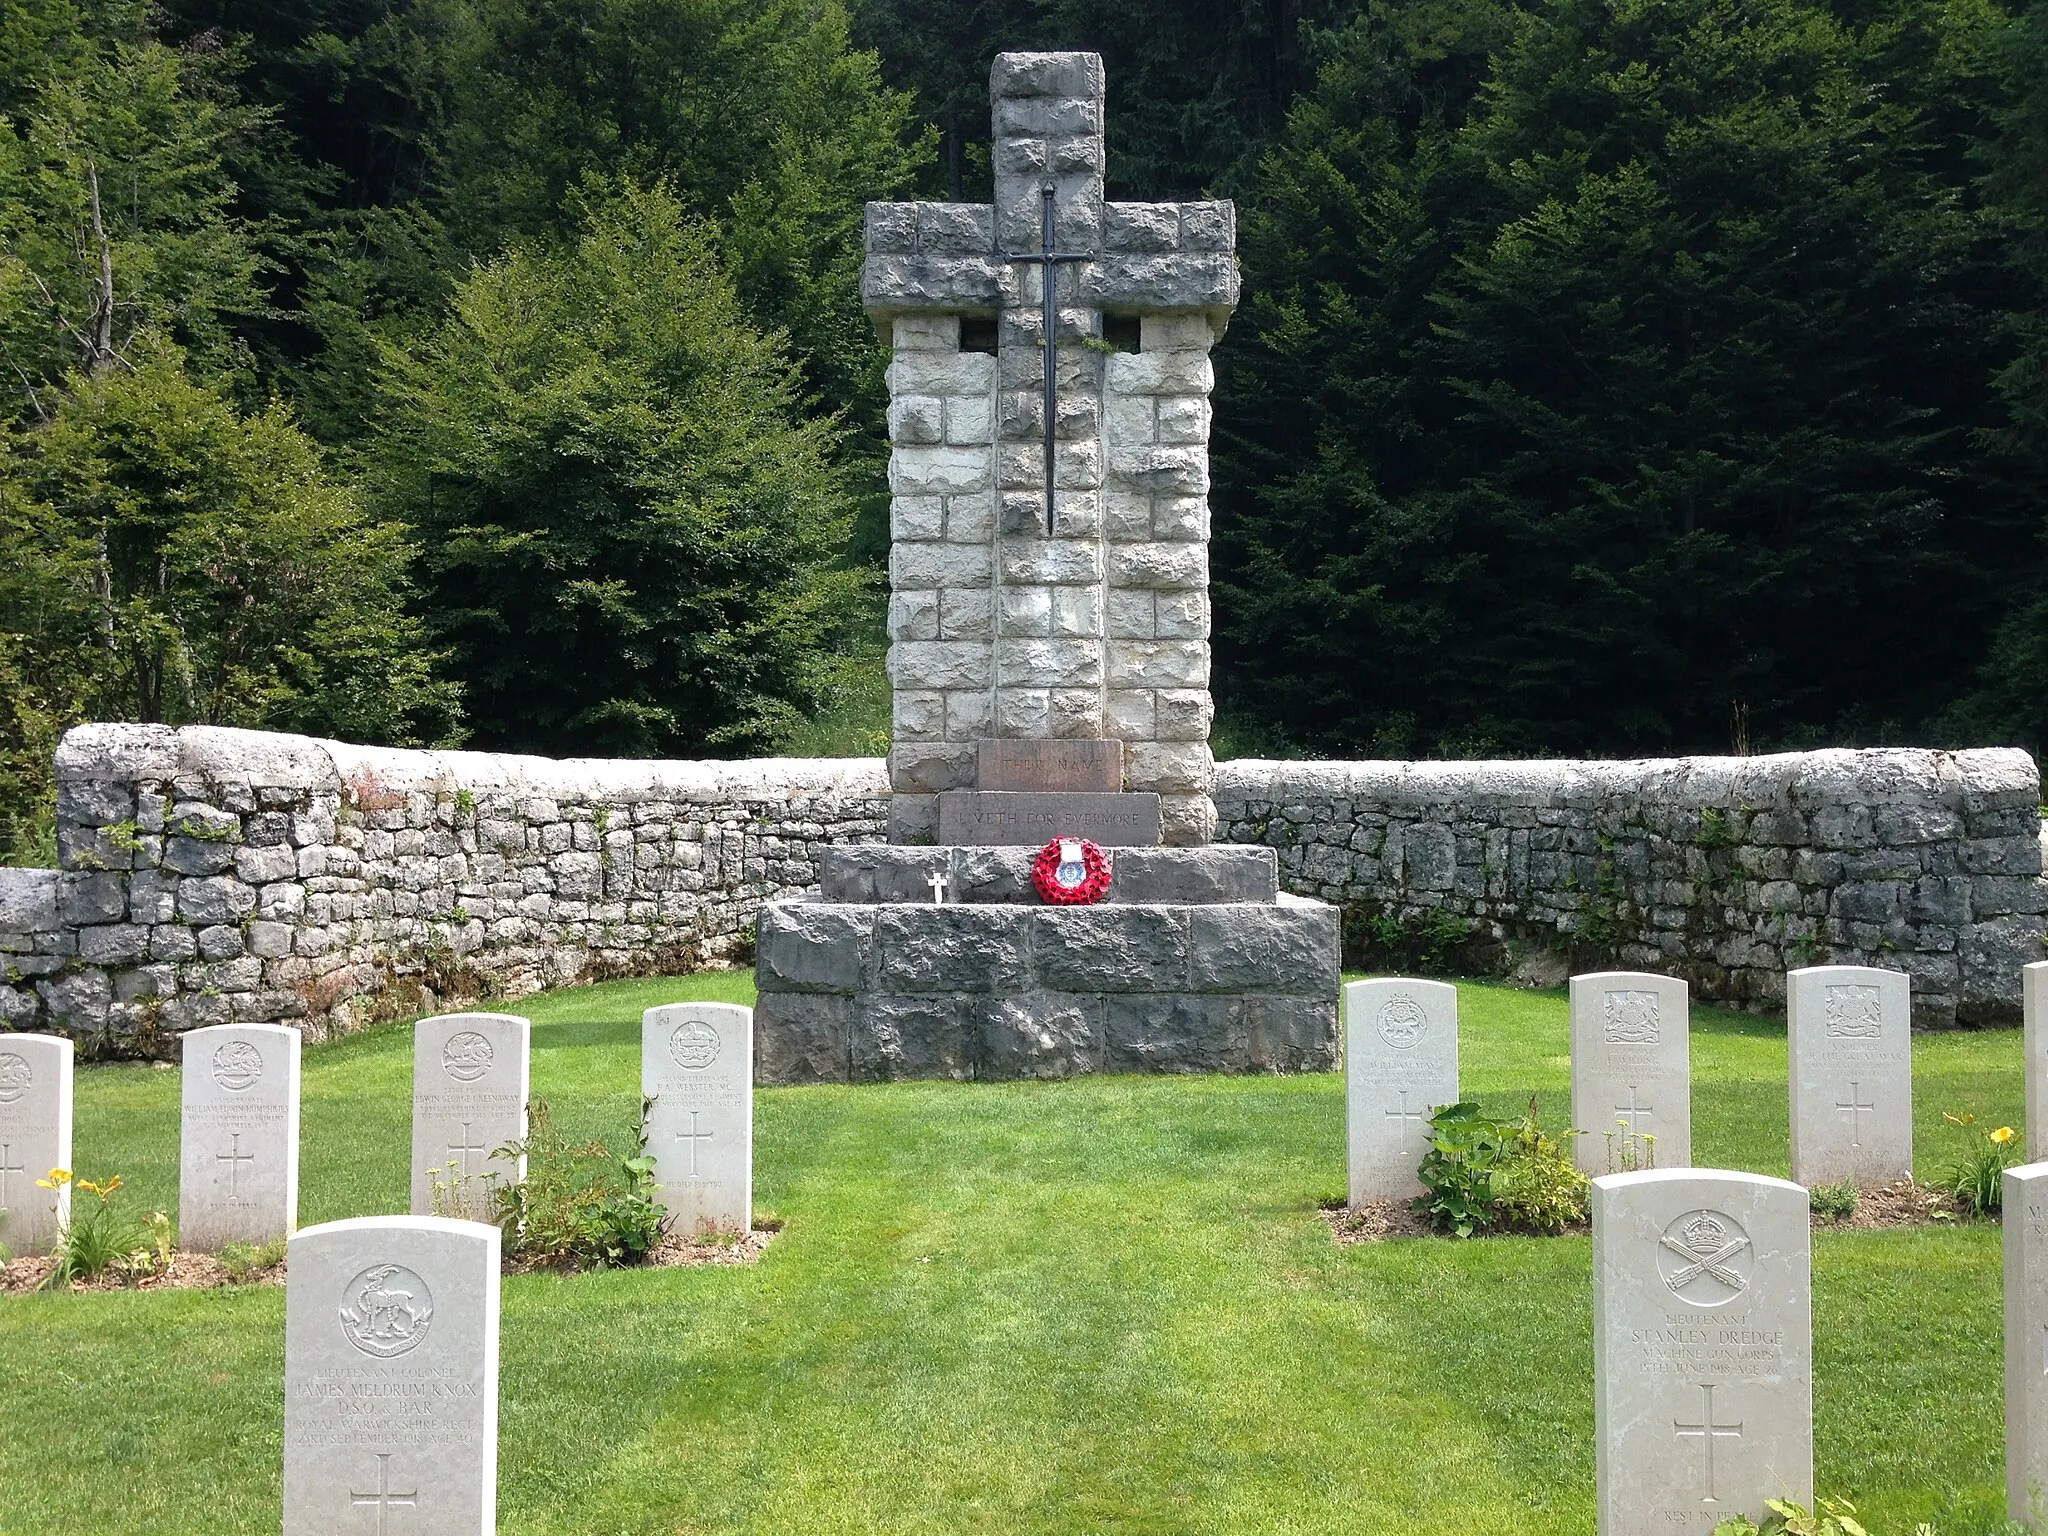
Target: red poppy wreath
x: 1070, y: 872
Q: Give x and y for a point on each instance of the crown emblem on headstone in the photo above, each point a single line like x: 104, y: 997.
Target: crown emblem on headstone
x: 1704, y: 1258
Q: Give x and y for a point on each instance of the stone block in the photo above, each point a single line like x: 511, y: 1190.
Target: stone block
x: 1194, y: 876
x: 1039, y: 1035
x: 1187, y: 821
x: 1111, y: 948
x: 803, y: 1037
x: 1158, y: 664
x: 95, y: 802
x: 928, y: 767
x: 1090, y: 766
x: 913, y: 1037
x: 1159, y: 565
x: 952, y: 949
x: 113, y: 943
x: 875, y: 872
x: 1290, y: 949
x: 29, y: 900
x: 76, y: 1001
x: 809, y: 946
x: 1288, y: 1034
x: 1172, y: 767
x: 195, y: 856
x: 222, y: 941
x: 91, y: 898
x: 1171, y: 1032
x: 989, y: 818
x: 939, y: 664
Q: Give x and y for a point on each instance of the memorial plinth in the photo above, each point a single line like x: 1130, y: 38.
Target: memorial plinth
x: 1049, y: 652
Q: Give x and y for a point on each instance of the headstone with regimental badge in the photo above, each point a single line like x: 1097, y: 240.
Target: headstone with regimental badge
x: 1852, y: 1075
x: 1400, y: 1064
x: 469, y: 1090
x: 2026, y: 1344
x: 238, y: 1162
x: 697, y: 1072
x: 1702, y: 1348
x: 1631, y: 1071
x: 35, y: 1138
x: 391, y: 1378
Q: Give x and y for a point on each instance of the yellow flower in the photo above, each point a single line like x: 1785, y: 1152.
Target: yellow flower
x: 58, y: 1178
x: 2002, y: 1135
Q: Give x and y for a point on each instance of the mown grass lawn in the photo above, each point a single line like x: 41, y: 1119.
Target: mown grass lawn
x: 1098, y: 1306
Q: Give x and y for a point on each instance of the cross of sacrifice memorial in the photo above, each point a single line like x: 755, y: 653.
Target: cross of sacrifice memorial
x: 1049, y: 651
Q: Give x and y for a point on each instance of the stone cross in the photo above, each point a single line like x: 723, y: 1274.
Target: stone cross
x: 2026, y: 1343
x: 470, y: 1075
x: 1631, y: 1043
x: 1049, y: 420
x: 697, y: 1074
x: 238, y: 1158
x: 391, y: 1378
x: 1851, y: 1074
x: 1702, y: 1348
x: 35, y: 1136
x: 1400, y: 1045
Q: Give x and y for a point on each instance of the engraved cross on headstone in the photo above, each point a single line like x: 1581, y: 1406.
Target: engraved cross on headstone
x: 693, y: 1136
x: 384, y: 1498
x: 464, y: 1147
x: 1855, y: 1109
x: 1631, y: 1112
x: 234, y: 1157
x: 1707, y: 1432
x: 1404, y: 1112
x: 17, y: 1166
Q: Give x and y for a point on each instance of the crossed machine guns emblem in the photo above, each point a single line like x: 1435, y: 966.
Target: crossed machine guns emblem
x: 1705, y: 1258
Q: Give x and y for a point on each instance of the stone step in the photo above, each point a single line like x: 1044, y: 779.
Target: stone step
x: 894, y: 872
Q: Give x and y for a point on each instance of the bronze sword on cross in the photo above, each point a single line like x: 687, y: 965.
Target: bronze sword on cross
x: 1046, y: 258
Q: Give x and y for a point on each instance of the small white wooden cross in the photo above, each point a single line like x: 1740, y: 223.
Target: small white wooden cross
x: 938, y: 883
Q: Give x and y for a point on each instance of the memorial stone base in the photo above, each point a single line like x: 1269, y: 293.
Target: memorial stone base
x: 1194, y: 962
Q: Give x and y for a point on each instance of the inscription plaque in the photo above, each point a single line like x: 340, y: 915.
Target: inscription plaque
x: 1050, y: 766
x: 996, y: 819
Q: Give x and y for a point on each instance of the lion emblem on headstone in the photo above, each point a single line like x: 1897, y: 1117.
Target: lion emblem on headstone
x: 467, y: 1056
x: 237, y: 1065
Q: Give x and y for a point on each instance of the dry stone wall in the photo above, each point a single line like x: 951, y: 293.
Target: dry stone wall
x: 219, y: 875
x: 1725, y: 871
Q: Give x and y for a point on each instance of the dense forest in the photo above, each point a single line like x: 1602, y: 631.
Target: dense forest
x: 1614, y: 376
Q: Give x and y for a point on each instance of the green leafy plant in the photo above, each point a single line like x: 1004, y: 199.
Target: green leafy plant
x: 244, y: 1261
x: 1481, y: 1173
x: 98, y: 1235
x: 1630, y: 1150
x: 1830, y: 1517
x: 1976, y: 1177
x: 1837, y: 1202
x: 578, y: 1205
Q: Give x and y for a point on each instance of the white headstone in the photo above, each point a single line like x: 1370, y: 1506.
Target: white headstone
x: 1702, y: 1348
x: 238, y: 1149
x: 35, y: 1137
x: 469, y: 1091
x: 2026, y: 1343
x: 1852, y: 1074
x: 391, y: 1378
x: 1400, y: 1064
x: 1631, y: 1071
x: 2034, y: 994
x: 697, y: 1066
